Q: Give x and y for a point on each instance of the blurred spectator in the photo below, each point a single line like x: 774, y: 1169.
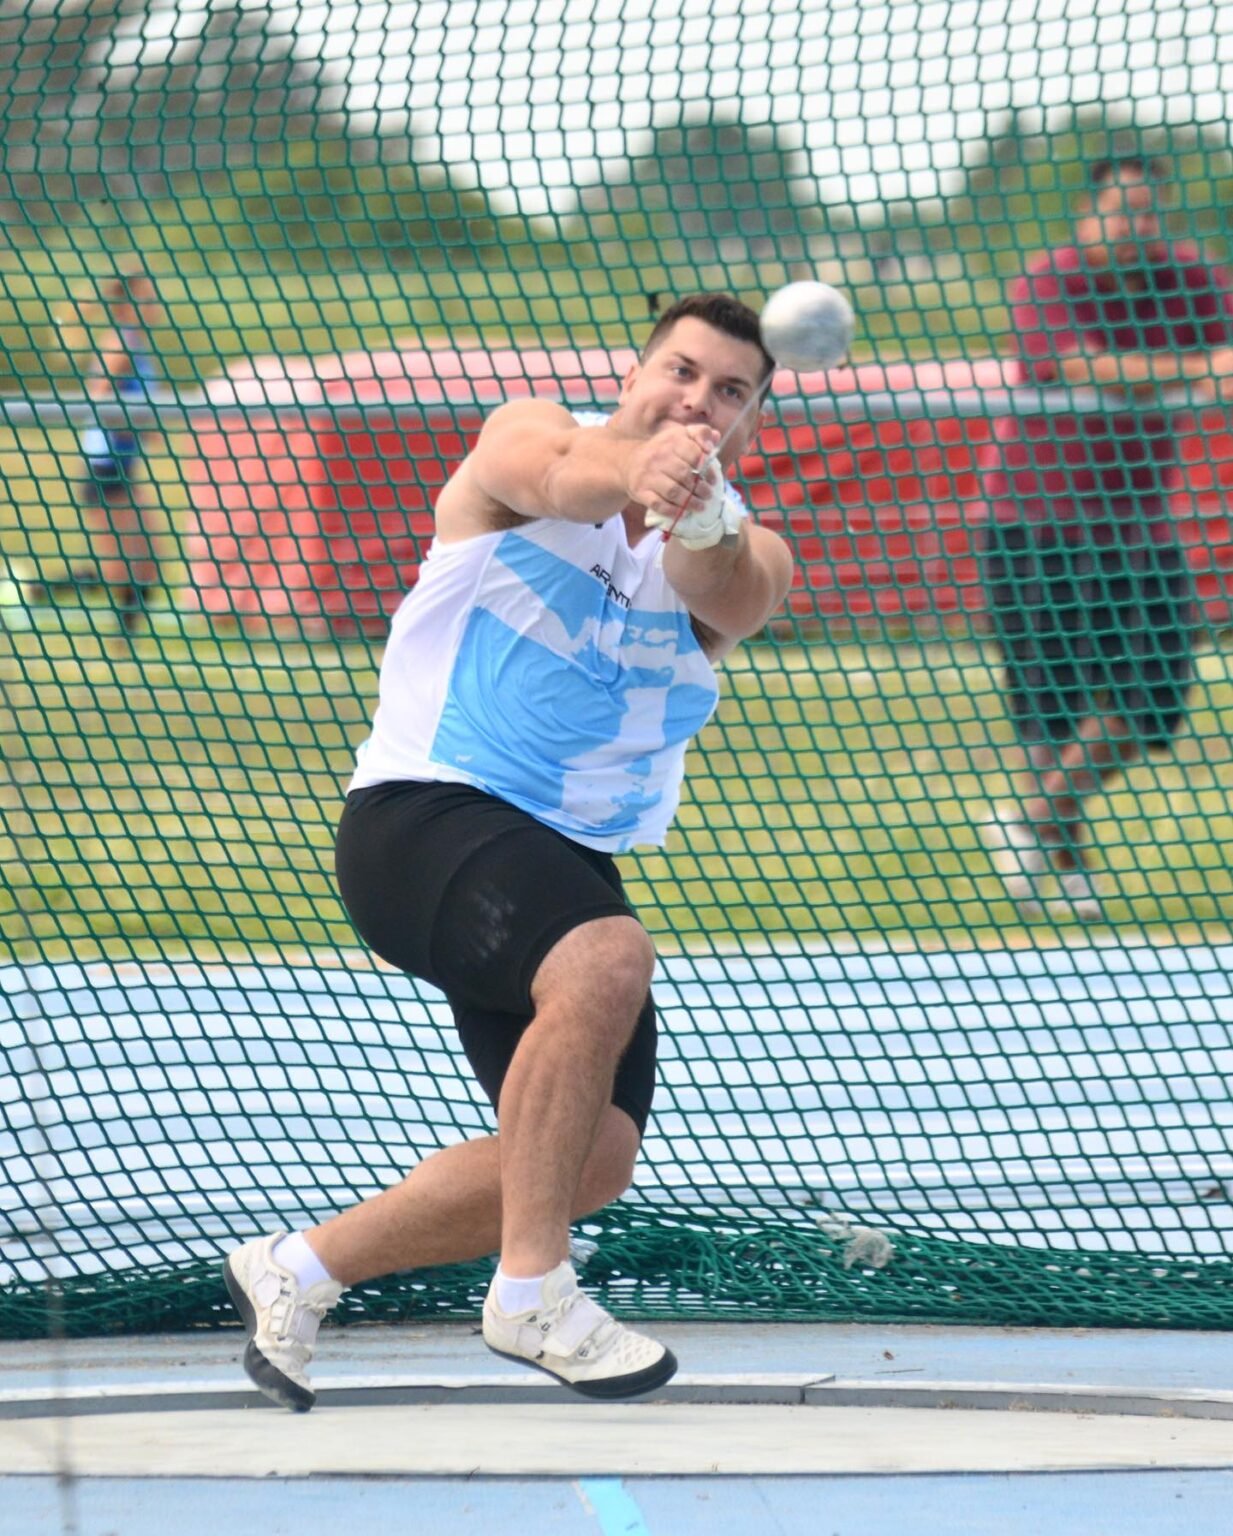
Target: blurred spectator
x: 113, y: 489
x: 1090, y: 594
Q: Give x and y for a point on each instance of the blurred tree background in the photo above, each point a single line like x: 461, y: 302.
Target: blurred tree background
x: 277, y: 219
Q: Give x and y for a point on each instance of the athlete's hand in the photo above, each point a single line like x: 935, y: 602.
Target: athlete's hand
x: 720, y: 516
x: 665, y: 473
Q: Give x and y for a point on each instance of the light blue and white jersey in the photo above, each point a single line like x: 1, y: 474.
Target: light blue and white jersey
x: 551, y: 665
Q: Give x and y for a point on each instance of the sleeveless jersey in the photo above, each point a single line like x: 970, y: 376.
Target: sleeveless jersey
x: 551, y: 665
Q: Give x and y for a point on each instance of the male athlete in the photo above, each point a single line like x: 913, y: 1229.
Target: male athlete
x: 539, y: 689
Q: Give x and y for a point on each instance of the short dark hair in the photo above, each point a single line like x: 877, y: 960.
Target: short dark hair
x: 1103, y: 172
x: 723, y: 312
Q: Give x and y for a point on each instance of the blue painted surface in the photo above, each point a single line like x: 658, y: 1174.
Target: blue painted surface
x: 1086, y: 1504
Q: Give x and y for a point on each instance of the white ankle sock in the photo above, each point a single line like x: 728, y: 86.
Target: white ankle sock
x: 293, y: 1253
x: 514, y: 1294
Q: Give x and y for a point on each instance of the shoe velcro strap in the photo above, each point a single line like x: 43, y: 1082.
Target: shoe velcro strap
x: 578, y: 1323
x: 292, y: 1322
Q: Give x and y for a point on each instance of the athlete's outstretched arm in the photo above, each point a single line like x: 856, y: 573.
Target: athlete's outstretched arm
x: 534, y: 459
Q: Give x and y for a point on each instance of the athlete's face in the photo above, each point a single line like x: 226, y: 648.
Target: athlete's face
x: 696, y: 375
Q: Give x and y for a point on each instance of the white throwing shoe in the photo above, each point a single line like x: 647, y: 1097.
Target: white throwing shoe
x: 282, y: 1319
x: 1016, y: 854
x: 575, y: 1340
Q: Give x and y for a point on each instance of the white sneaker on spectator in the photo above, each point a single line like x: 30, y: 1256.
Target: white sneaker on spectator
x: 282, y: 1319
x: 1016, y: 854
x: 1080, y: 896
x: 572, y: 1338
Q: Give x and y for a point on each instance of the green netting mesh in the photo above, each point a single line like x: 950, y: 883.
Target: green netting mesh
x: 263, y: 269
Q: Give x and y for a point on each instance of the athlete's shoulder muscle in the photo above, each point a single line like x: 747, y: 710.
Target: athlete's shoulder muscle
x: 516, y: 444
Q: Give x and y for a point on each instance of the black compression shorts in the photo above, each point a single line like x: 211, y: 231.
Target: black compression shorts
x: 469, y: 893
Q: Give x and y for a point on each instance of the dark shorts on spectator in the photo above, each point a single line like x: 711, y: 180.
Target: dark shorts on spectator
x: 1093, y: 618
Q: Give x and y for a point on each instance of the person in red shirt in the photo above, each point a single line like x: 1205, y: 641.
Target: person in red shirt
x: 1090, y: 595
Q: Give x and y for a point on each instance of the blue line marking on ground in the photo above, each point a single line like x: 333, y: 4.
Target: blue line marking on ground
x: 615, y: 1507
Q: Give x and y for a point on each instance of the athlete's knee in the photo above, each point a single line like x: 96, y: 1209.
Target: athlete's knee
x: 628, y: 956
x: 611, y: 958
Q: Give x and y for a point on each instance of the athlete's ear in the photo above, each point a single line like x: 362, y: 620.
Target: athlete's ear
x: 627, y: 383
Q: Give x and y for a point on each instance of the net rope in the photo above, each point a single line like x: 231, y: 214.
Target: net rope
x: 264, y: 269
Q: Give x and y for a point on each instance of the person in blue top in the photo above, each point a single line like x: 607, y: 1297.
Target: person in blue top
x: 112, y: 489
x: 538, y: 692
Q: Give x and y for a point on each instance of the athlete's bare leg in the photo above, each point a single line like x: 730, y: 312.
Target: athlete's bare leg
x: 1101, y: 748
x: 562, y: 1150
x: 448, y: 1208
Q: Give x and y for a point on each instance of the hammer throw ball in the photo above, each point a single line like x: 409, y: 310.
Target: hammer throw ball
x: 806, y: 326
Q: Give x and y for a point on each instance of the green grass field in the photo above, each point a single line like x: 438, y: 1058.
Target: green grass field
x: 177, y: 793
x: 549, y: 300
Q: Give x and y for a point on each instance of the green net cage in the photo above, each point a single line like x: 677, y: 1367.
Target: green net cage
x: 944, y: 923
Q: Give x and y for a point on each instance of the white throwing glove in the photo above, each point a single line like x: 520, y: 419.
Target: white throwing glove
x: 720, y: 518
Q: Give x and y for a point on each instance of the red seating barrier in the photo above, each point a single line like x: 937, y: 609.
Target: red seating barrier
x: 323, y: 518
